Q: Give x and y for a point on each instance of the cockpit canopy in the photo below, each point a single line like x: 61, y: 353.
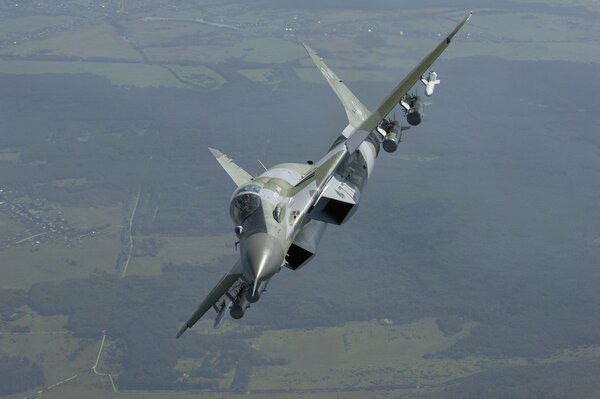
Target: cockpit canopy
x: 244, y: 202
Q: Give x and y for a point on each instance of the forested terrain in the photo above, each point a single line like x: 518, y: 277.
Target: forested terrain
x: 575, y: 380
x: 10, y: 300
x: 18, y: 375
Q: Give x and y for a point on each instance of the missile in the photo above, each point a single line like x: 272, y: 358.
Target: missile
x: 221, y: 313
x: 430, y: 82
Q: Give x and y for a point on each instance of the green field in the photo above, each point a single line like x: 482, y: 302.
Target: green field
x: 358, y: 355
x: 97, y: 216
x: 15, y: 27
x: 182, y: 250
x: 28, y: 263
x: 10, y: 228
x: 364, y: 46
x: 93, y: 41
x: 198, y: 76
x: 263, y: 75
x: 139, y: 75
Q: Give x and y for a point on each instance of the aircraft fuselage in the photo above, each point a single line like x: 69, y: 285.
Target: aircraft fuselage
x: 286, y: 227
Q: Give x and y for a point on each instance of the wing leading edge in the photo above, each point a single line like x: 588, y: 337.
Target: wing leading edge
x: 237, y: 174
x: 386, y: 106
x: 329, y: 164
x: 217, y: 298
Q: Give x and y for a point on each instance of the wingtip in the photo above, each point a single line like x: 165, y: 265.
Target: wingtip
x: 181, y: 330
x: 216, y: 153
x: 309, y: 49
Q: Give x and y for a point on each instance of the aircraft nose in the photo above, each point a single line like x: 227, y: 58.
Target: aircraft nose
x: 262, y: 255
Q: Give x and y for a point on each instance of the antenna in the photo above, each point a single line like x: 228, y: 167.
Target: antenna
x: 261, y: 164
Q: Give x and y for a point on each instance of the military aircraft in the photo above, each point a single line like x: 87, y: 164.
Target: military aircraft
x: 281, y: 215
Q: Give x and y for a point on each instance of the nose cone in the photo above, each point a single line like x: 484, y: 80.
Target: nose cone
x: 262, y: 255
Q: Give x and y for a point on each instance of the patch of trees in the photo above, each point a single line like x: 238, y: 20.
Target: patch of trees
x: 149, y: 309
x: 562, y: 380
x: 96, y: 139
x: 10, y: 301
x: 19, y: 374
x: 221, y: 354
x: 242, y: 376
x: 143, y: 314
x: 149, y: 363
x: 87, y: 302
x: 147, y: 246
x: 450, y: 324
x: 531, y: 335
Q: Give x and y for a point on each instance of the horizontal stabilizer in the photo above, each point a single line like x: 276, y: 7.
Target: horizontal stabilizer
x: 237, y: 174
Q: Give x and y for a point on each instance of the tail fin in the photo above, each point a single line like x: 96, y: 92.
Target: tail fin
x: 356, y: 112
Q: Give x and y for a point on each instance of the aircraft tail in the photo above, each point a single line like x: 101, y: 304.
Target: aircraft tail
x: 357, y: 113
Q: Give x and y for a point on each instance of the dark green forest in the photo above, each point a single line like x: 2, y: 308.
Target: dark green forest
x: 18, y: 375
x: 10, y: 301
x: 574, y: 380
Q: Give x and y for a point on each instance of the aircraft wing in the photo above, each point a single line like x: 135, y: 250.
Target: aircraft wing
x: 386, y: 106
x: 327, y: 166
x: 237, y: 174
x: 218, y: 298
x: 355, y: 110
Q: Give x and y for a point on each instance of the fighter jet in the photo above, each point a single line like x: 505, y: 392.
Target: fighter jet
x: 281, y: 215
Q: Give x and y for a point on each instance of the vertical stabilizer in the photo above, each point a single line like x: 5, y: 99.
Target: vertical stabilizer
x: 356, y: 112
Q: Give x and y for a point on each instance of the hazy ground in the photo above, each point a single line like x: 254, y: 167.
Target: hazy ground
x: 471, y: 269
